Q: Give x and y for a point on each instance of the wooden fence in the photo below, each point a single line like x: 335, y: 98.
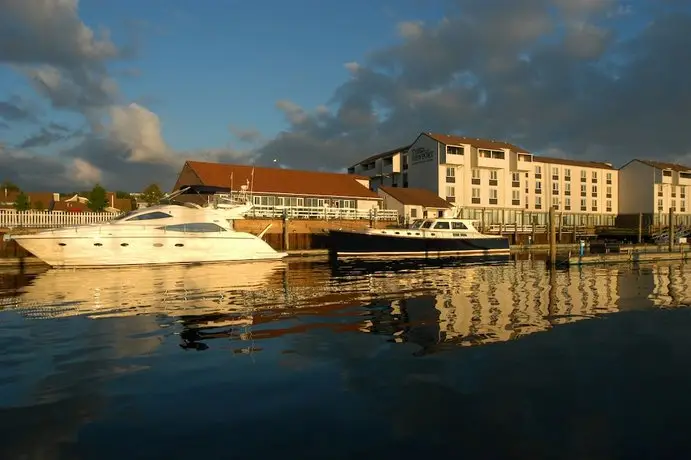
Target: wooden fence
x: 48, y: 219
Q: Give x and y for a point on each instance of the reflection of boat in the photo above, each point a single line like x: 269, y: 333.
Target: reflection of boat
x: 426, y: 238
x: 175, y: 290
x: 159, y: 234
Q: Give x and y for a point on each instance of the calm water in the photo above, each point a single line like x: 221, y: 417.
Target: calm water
x: 304, y: 360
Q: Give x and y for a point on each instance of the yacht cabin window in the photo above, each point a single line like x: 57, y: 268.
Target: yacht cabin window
x: 442, y: 225
x: 458, y: 226
x: 194, y: 227
x: 151, y: 216
x: 426, y: 224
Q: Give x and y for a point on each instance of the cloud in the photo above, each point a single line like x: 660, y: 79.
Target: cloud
x: 247, y: 135
x: 67, y: 63
x: 596, y: 79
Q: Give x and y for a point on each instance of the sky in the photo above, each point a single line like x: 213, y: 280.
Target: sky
x: 123, y: 92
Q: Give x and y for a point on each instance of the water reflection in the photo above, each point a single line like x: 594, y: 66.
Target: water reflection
x: 448, y: 303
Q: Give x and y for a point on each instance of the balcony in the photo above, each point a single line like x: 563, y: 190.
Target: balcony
x: 493, y: 182
x: 516, y: 184
x: 475, y: 200
x: 451, y: 199
x: 567, y: 193
x: 609, y: 181
x: 538, y: 191
x: 454, y: 159
x: 475, y: 181
x: 594, y: 194
x: 583, y: 208
x: 494, y: 159
x: 450, y: 180
x: 538, y: 206
x: 584, y: 179
x: 493, y: 201
x: 594, y: 209
x: 609, y: 209
x: 567, y: 178
x: 515, y: 202
x: 567, y: 208
x: 584, y: 194
x: 538, y: 176
x: 555, y: 177
x: 609, y: 195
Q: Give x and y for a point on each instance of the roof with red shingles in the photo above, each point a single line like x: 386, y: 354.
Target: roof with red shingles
x: 416, y: 197
x: 281, y: 181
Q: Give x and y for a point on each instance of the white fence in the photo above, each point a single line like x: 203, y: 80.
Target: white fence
x: 47, y: 219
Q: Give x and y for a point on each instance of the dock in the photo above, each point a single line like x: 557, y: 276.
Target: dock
x: 627, y: 256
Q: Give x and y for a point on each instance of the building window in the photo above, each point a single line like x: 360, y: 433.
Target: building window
x: 667, y: 173
x: 659, y: 205
x: 538, y: 202
x: 454, y: 150
x: 516, y: 198
x: 555, y: 173
x: 567, y: 204
x: 555, y: 202
x: 682, y: 192
x: 609, y: 205
x: 450, y: 193
x: 584, y: 175
x: 567, y: 188
x: 495, y: 154
x: 475, y: 199
x: 583, y: 205
x: 538, y: 187
x: 594, y: 177
x: 609, y: 192
x: 674, y: 205
x: 594, y: 205
x: 609, y: 178
x: 683, y: 206
x: 413, y: 212
x: 660, y: 191
x: 475, y: 174
x: 538, y: 172
x: 567, y: 174
x: 555, y: 188
x: 493, y: 177
x: 493, y: 196
x: 583, y: 190
x: 594, y: 190
x: 450, y: 174
x: 515, y: 179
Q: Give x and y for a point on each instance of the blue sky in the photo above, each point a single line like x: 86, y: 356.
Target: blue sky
x: 210, y: 64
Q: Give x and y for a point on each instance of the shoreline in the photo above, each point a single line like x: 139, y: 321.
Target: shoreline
x: 305, y: 254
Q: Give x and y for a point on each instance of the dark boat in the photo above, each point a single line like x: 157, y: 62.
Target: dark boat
x: 426, y: 238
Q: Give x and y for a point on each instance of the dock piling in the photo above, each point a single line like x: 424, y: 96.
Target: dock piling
x: 552, y: 237
x: 671, y: 230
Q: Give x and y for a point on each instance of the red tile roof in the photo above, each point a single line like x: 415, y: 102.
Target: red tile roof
x: 282, y: 181
x: 567, y: 161
x: 416, y: 197
x: 663, y: 165
x: 449, y: 139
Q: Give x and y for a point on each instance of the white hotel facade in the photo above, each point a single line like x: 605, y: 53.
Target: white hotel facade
x: 497, y: 182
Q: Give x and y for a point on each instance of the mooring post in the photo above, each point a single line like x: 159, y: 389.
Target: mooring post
x: 671, y: 229
x: 286, y: 235
x: 640, y: 228
x: 552, y: 237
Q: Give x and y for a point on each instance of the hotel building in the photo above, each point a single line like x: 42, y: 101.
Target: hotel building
x: 497, y: 182
x: 651, y: 188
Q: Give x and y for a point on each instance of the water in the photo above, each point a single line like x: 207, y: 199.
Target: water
x: 303, y: 360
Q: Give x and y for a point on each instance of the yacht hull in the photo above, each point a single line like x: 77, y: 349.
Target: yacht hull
x: 59, y: 249
x: 343, y: 243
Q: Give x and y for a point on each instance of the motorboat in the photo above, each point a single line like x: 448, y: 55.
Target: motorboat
x: 427, y: 238
x: 173, y: 233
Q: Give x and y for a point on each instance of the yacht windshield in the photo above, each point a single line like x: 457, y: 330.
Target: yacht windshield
x: 416, y: 223
x: 427, y: 224
x: 124, y: 215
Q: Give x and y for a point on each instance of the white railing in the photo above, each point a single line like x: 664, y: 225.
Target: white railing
x: 47, y: 219
x: 306, y: 212
x: 528, y: 228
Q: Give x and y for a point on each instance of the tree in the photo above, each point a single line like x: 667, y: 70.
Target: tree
x: 39, y: 206
x: 122, y: 195
x: 9, y: 186
x: 97, y: 199
x: 22, y: 202
x: 152, y: 194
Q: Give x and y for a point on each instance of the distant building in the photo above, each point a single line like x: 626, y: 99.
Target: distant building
x: 51, y: 201
x: 651, y: 188
x: 284, y: 187
x: 498, y: 180
x: 415, y: 203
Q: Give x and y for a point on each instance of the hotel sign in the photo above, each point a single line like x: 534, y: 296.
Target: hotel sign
x: 421, y: 155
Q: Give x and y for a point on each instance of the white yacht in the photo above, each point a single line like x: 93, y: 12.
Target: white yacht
x: 181, y: 233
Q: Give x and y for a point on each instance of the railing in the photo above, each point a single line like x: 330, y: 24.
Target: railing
x: 306, y: 212
x: 528, y: 228
x: 47, y: 219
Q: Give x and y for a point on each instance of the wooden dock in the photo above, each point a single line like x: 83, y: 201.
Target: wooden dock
x: 628, y: 256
